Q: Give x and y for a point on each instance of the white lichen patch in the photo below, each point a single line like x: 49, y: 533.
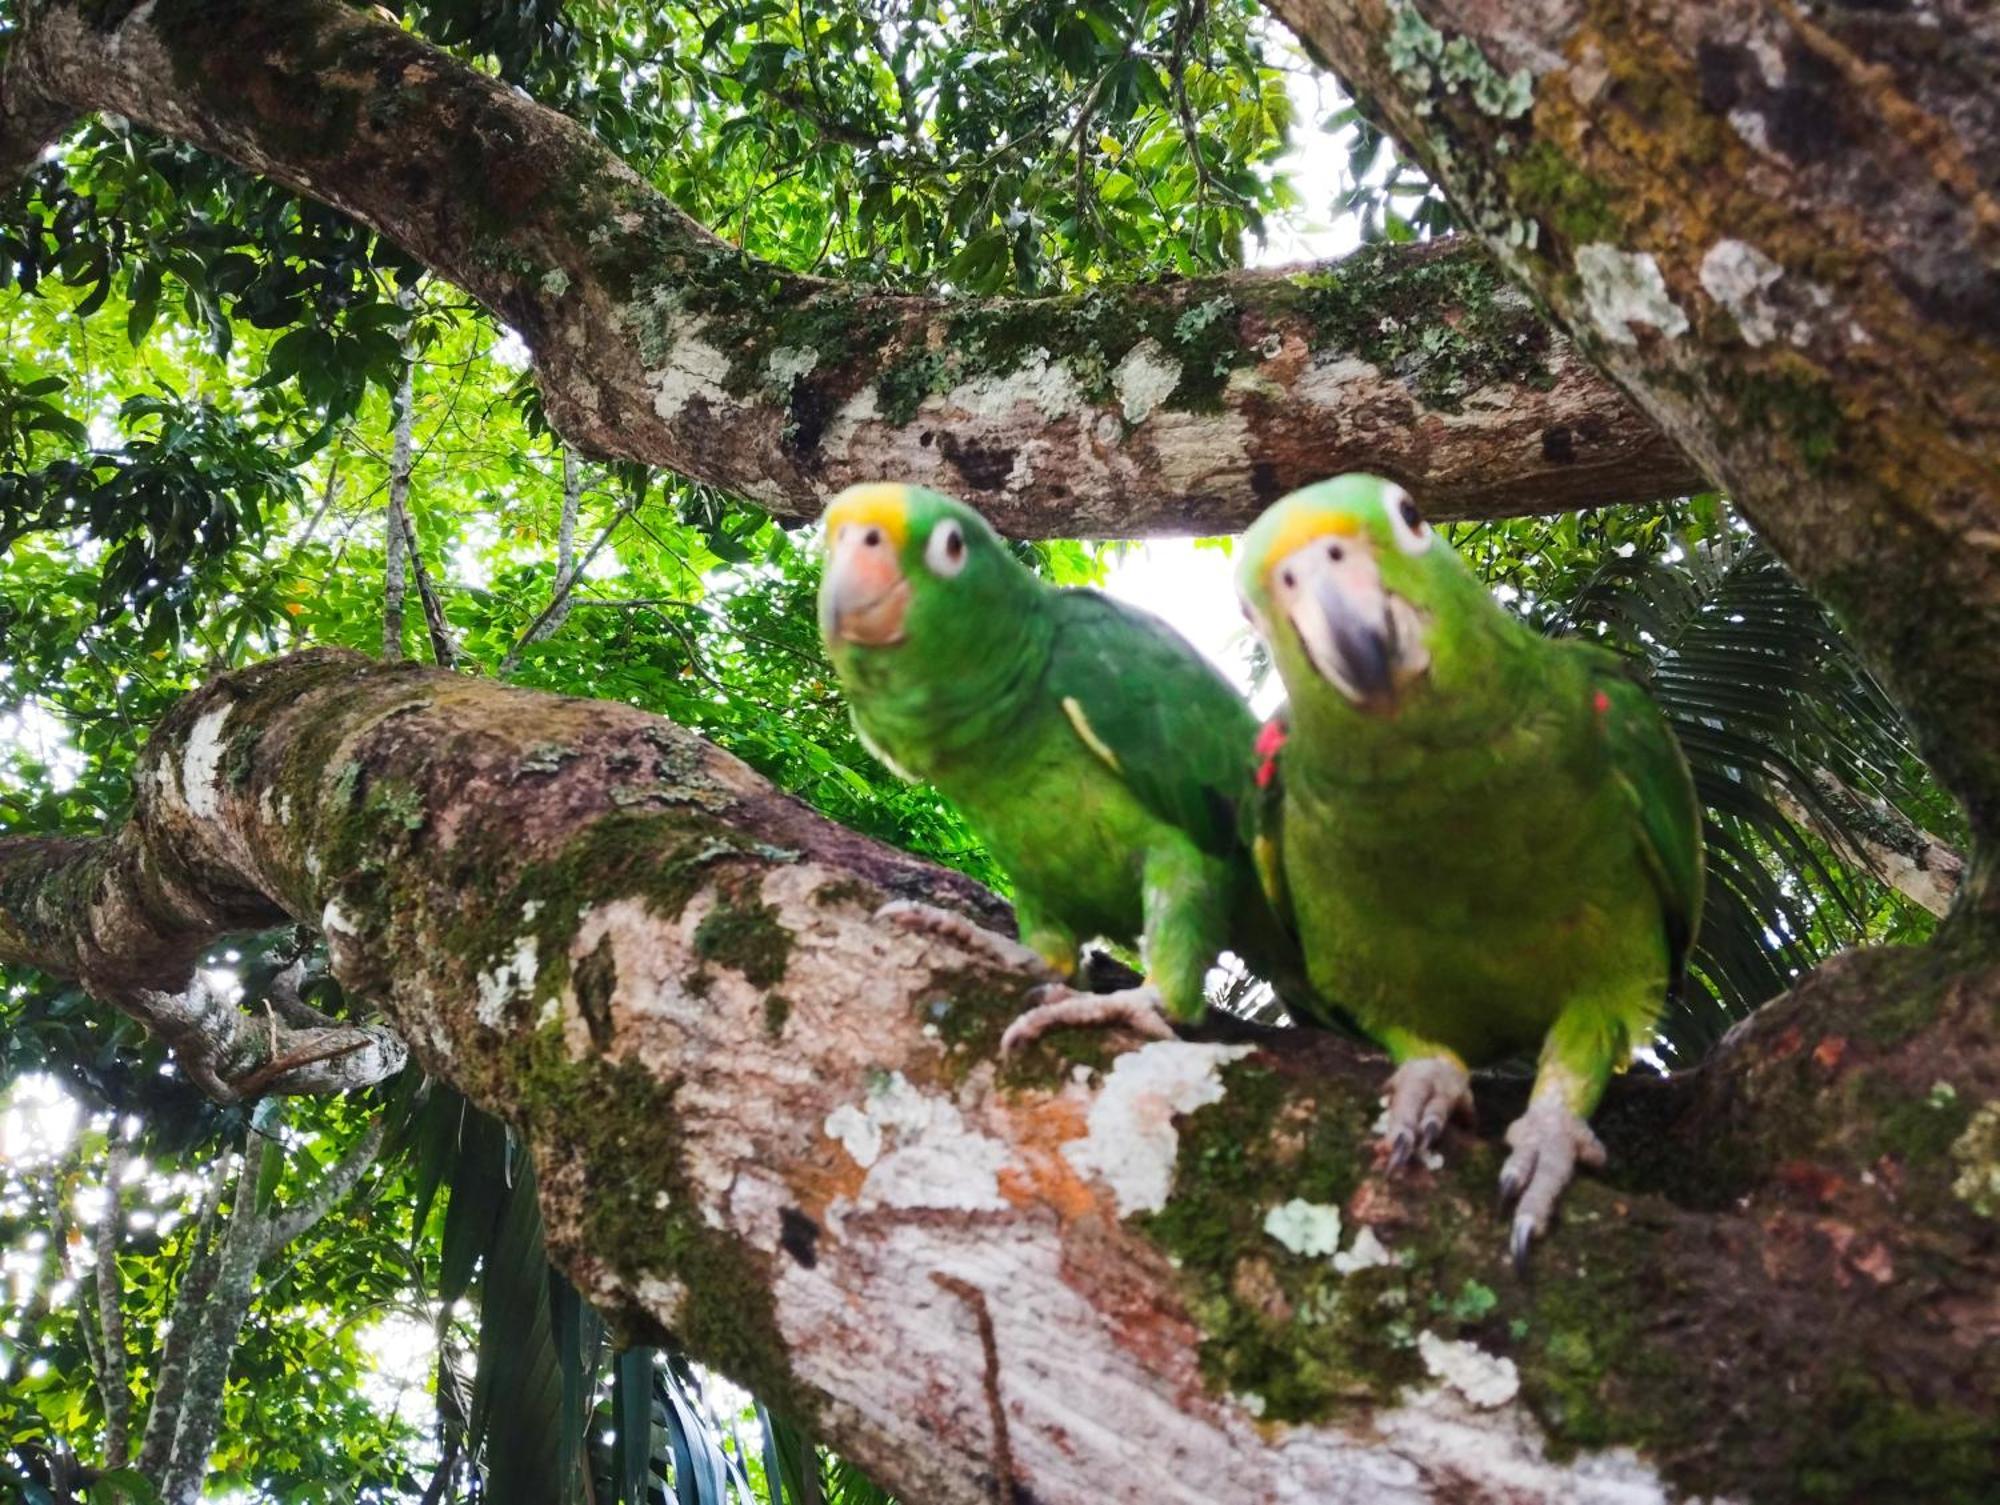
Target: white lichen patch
x: 1038, y: 382
x: 918, y: 1150
x: 1145, y: 379
x: 787, y: 364
x: 1365, y: 1253
x: 1131, y: 1141
x: 692, y: 368
x: 1736, y: 274
x: 507, y: 981
x: 1308, y: 1228
x: 1486, y: 1380
x: 333, y: 920
x: 863, y: 407
x: 662, y: 1298
x: 1622, y: 289
x: 201, y: 763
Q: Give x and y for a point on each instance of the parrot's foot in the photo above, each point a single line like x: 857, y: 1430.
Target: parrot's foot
x: 1137, y: 1009
x: 928, y: 919
x: 1549, y: 1141
x: 1422, y: 1094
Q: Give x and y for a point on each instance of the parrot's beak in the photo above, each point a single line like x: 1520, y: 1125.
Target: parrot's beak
x: 1362, y: 639
x: 865, y: 594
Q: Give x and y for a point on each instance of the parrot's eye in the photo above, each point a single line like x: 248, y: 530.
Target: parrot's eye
x: 1335, y: 552
x: 945, y: 553
x: 1290, y: 579
x: 872, y: 537
x: 1413, y: 534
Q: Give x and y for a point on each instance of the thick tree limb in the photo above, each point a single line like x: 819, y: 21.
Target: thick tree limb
x: 131, y: 913
x: 1780, y: 231
x: 771, y: 1124
x: 1173, y: 407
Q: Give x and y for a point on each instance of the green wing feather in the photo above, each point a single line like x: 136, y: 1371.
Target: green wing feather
x: 1647, y: 762
x: 1149, y: 704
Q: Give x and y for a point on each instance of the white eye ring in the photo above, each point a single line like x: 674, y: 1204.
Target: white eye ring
x: 1413, y: 534
x: 945, y: 553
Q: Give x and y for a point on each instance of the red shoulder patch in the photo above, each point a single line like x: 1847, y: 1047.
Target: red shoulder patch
x: 1600, y: 702
x: 1270, y: 737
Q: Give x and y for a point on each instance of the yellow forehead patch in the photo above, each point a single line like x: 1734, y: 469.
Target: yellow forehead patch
x: 884, y: 504
x: 1304, y: 525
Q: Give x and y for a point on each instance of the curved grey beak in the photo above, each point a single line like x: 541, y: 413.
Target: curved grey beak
x: 1362, y: 639
x: 1364, y: 643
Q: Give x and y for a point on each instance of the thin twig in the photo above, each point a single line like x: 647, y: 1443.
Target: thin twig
x: 553, y: 613
x: 396, y: 530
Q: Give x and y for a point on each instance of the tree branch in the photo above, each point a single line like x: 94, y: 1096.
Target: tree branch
x: 113, y: 1364
x: 153, y: 904
x: 766, y: 1120
x: 294, y: 1222
x: 184, y: 1326
x: 568, y: 570
x: 396, y: 530
x: 1875, y: 837
x: 1175, y: 406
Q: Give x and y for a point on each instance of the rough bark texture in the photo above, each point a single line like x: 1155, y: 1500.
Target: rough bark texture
x: 121, y: 913
x: 1778, y: 229
x: 1174, y: 407
x: 769, y: 1122
x: 1874, y: 836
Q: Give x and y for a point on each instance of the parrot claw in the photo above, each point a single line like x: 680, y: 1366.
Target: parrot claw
x: 1422, y: 1094
x: 1399, y: 1150
x: 1519, y: 1241
x: 1137, y: 1009
x: 944, y: 925
x: 1549, y: 1142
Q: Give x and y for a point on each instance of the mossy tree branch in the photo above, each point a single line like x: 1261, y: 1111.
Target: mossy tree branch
x: 1780, y: 231
x: 1178, y: 406
x: 772, y: 1124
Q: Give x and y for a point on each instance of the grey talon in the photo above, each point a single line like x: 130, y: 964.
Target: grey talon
x: 1399, y: 1150
x: 1520, y: 1242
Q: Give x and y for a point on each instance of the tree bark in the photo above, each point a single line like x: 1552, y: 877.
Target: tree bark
x: 1172, y: 407
x: 1778, y: 231
x: 771, y: 1122
x: 1875, y: 837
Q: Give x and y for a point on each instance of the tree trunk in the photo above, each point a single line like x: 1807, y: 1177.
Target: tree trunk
x: 771, y: 1123
x: 1178, y: 406
x: 1779, y: 232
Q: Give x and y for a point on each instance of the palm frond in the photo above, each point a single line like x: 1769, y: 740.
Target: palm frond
x: 1770, y: 705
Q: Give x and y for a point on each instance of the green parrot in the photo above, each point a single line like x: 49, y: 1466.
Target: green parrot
x: 1102, y: 760
x: 1487, y: 840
